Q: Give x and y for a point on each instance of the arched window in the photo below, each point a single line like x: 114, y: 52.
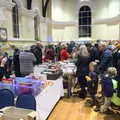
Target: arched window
x: 15, y: 17
x: 85, y: 21
x: 36, y: 28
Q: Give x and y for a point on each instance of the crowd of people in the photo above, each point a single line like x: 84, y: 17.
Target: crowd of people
x: 22, y: 61
x: 97, y: 65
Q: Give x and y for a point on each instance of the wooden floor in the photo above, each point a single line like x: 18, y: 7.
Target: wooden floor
x: 74, y: 109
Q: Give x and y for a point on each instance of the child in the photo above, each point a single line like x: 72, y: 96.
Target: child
x: 107, y: 88
x: 92, y: 82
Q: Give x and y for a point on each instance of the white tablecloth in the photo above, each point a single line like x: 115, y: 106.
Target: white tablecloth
x: 48, y: 98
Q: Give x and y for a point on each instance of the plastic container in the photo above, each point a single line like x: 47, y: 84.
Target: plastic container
x: 54, y: 76
x: 9, y: 80
x: 27, y: 85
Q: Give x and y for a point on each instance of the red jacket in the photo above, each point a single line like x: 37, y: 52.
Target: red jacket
x: 64, y: 55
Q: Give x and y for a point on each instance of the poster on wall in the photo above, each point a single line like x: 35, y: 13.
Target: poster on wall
x: 3, y: 34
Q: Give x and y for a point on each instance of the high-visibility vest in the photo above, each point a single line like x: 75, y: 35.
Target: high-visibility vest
x: 115, y: 99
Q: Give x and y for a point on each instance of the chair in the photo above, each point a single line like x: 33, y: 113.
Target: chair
x: 6, y: 98
x: 26, y: 101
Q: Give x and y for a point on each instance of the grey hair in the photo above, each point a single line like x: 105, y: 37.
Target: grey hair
x: 102, y: 44
x: 83, y: 51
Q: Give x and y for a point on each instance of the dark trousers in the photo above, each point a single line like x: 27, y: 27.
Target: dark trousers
x: 83, y: 86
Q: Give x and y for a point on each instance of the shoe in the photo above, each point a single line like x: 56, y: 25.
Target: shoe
x: 82, y: 95
x: 108, y: 112
x: 96, y: 109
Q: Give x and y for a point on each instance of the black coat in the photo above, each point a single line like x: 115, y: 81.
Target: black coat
x: 16, y: 62
x: 38, y: 54
x: 82, y: 66
x: 94, y: 54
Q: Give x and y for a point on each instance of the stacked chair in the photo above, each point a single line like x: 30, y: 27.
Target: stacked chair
x: 6, y: 98
x: 26, y: 101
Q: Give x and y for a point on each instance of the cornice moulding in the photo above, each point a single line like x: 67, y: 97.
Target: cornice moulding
x: 20, y: 40
x: 108, y: 21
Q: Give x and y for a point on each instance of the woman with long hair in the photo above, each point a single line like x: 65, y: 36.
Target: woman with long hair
x: 82, y: 69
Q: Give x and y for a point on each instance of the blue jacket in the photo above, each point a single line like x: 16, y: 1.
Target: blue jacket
x: 107, y: 87
x: 106, y: 60
x: 93, y: 84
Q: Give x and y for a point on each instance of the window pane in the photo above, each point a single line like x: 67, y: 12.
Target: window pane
x: 15, y: 17
x: 85, y: 22
x: 36, y: 28
x: 29, y: 4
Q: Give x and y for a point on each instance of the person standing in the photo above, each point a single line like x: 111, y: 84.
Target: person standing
x: 92, y: 83
x: 106, y: 58
x: 37, y: 51
x: 49, y: 53
x: 82, y: 69
x: 94, y: 53
x: 16, y: 62
x: 58, y: 49
x: 108, y: 88
x: 70, y: 46
x: 64, y: 54
x: 27, y: 60
x: 74, y: 53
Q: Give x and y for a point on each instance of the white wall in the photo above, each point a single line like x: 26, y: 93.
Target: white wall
x: 106, y: 9
x: 67, y: 10
x: 63, y: 11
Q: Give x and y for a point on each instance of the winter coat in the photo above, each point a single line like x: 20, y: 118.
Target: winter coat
x: 38, y: 54
x: 105, y: 61
x: 107, y: 87
x: 82, y: 65
x: 64, y: 55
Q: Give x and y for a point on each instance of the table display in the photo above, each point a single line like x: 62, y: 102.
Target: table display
x: 48, y: 98
x: 46, y: 89
x: 13, y: 113
x: 53, y: 71
x: 52, y: 91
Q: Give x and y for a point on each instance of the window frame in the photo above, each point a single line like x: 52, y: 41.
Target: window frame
x: 85, y: 20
